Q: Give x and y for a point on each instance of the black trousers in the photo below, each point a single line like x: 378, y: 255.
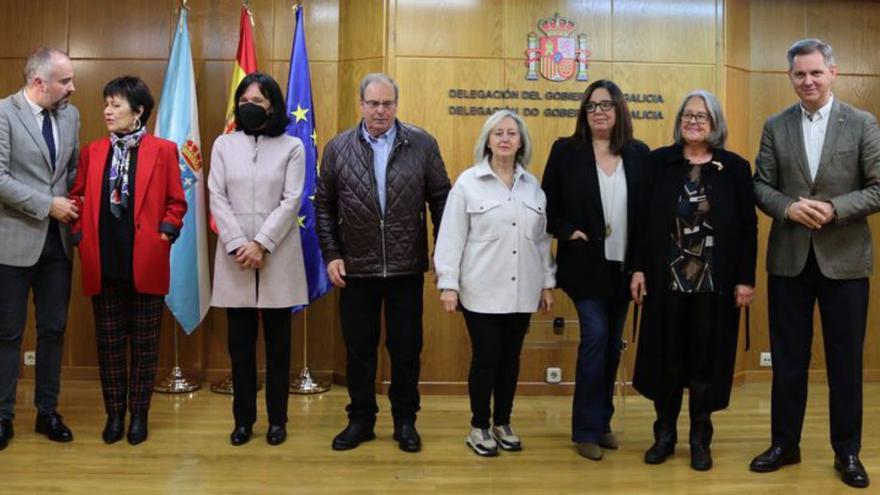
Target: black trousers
x: 50, y: 280
x: 496, y: 342
x: 360, y: 307
x: 689, y: 327
x: 843, y: 307
x: 243, y: 353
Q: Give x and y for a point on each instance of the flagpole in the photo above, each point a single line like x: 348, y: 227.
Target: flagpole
x: 176, y: 382
x: 305, y: 384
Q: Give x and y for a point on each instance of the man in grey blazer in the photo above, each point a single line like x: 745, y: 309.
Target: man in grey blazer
x: 818, y: 176
x: 38, y: 153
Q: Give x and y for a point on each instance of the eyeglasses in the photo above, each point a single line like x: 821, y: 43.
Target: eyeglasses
x: 373, y: 104
x: 699, y: 117
x: 604, y: 105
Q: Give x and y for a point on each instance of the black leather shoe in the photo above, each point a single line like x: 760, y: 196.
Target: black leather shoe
x: 353, y: 435
x: 851, y: 470
x: 6, y: 432
x: 701, y: 457
x: 658, y: 452
x: 50, y: 424
x: 276, y: 435
x: 137, y: 429
x: 240, y: 435
x: 114, y: 429
x: 407, y: 437
x: 775, y: 458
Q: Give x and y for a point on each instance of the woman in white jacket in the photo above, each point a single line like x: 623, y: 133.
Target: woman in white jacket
x: 493, y: 261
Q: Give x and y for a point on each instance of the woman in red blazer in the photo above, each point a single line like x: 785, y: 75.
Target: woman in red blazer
x: 131, y: 205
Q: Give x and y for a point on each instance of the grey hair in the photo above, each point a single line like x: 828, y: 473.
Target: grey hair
x: 718, y: 135
x: 523, y: 154
x: 378, y: 77
x: 39, y: 63
x: 808, y: 46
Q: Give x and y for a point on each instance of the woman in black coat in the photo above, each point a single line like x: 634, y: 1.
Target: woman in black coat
x: 694, y: 267
x: 592, y: 181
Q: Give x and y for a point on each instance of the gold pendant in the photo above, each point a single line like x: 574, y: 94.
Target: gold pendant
x: 607, y: 230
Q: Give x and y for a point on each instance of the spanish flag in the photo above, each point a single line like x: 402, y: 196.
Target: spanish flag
x: 245, y: 63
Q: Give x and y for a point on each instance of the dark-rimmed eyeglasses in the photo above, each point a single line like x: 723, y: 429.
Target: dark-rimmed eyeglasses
x: 699, y: 117
x: 604, y: 105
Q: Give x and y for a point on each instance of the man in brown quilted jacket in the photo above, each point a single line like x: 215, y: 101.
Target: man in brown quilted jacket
x: 376, y: 179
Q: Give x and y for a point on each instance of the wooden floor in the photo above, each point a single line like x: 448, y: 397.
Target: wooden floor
x: 188, y: 451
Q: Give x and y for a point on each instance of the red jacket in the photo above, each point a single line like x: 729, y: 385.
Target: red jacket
x: 159, y: 203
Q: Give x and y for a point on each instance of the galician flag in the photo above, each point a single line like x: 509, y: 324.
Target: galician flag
x: 245, y: 63
x: 190, y: 293
x: 302, y: 125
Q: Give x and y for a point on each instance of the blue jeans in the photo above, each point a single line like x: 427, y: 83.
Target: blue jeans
x: 601, y: 322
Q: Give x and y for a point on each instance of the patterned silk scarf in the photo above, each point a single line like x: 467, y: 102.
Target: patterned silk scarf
x: 122, y: 145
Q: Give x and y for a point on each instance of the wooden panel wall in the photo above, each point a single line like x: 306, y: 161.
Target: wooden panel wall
x: 757, y: 74
x: 102, y: 47
x: 645, y: 46
x: 734, y: 48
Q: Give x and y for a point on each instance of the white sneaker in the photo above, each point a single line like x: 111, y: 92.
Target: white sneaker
x: 482, y: 442
x: 507, y: 439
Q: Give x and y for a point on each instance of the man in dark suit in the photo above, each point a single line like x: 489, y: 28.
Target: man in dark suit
x: 38, y: 152
x: 818, y: 176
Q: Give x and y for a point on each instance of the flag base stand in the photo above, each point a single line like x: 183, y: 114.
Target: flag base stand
x: 224, y: 385
x: 306, y: 385
x: 176, y: 383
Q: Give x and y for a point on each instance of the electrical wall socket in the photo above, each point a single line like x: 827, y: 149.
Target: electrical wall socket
x: 553, y: 375
x: 30, y: 358
x: 766, y: 361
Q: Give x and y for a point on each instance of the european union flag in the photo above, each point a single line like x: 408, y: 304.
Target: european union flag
x: 302, y: 125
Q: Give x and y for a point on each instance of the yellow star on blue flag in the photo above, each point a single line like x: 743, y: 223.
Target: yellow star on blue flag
x: 300, y: 113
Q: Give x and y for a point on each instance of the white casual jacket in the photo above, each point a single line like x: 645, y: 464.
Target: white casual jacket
x: 493, y: 247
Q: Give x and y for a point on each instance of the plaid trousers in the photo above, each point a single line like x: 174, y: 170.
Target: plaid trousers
x: 124, y: 316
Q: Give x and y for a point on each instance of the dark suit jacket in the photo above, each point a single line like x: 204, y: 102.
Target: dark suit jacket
x: 734, y: 256
x: 159, y: 206
x: 848, y: 176
x: 571, y: 183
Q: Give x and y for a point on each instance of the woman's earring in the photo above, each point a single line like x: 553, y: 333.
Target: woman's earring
x: 137, y: 123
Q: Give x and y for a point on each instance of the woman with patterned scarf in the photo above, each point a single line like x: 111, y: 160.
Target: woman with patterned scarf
x: 132, y: 204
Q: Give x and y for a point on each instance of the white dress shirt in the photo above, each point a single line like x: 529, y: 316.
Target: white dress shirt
x: 38, y: 114
x: 493, y: 247
x: 613, y: 191
x: 814, y: 126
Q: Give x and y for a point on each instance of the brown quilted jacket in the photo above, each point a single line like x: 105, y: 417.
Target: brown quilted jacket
x: 349, y: 221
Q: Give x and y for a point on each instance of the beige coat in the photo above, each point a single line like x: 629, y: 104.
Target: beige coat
x: 256, y: 187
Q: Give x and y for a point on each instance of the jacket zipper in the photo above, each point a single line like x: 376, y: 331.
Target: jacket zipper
x: 254, y: 209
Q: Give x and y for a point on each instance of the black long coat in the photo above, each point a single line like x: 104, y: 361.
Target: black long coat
x: 731, y: 194
x: 574, y: 202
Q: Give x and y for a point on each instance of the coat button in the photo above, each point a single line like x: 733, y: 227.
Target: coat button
x: 514, y: 251
x: 514, y: 224
x: 513, y: 278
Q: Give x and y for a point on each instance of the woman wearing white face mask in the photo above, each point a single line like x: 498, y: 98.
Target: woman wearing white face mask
x: 256, y: 184
x: 132, y: 202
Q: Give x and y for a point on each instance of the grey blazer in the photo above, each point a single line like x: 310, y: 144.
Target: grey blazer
x: 27, y: 183
x: 848, y: 176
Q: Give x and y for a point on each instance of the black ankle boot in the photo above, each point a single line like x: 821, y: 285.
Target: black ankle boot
x: 137, y: 429
x: 114, y: 429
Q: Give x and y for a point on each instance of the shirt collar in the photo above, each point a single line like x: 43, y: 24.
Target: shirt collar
x: 819, y: 114
x: 36, y: 109
x: 388, y: 136
x: 483, y: 169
